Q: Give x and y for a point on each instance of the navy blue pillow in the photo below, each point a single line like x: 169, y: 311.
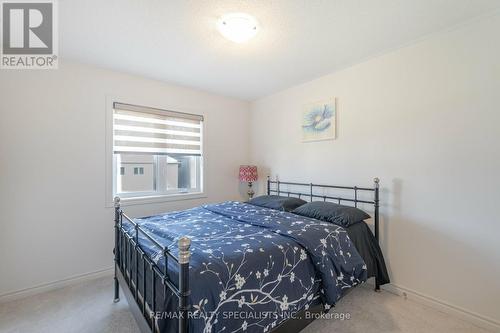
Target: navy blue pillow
x: 332, y: 212
x: 286, y: 204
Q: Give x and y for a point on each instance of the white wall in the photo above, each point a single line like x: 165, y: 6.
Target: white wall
x: 426, y: 120
x: 54, y: 223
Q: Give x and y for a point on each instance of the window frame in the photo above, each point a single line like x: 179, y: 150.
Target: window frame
x: 137, y: 198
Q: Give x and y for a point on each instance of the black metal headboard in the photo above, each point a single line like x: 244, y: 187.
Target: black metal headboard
x: 311, y: 195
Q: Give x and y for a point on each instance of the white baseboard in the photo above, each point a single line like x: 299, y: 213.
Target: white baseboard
x: 475, y: 318
x: 472, y: 317
x: 11, y: 296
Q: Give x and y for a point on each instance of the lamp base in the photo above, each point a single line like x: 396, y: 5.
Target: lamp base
x: 250, y: 191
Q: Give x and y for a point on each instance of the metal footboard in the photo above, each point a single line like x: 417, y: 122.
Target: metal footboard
x: 131, y: 260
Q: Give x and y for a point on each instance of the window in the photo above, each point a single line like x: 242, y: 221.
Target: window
x: 162, y: 151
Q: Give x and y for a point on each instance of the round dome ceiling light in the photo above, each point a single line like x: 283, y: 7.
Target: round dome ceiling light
x: 237, y: 27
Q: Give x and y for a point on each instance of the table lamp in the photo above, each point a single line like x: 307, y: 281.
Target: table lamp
x: 248, y: 173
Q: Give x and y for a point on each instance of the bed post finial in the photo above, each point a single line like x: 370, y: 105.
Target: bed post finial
x: 116, y: 202
x: 376, y: 180
x: 184, y: 244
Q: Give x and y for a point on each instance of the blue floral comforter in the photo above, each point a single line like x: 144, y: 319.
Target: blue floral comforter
x: 252, y: 267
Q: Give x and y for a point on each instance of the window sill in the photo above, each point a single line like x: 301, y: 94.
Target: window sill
x: 160, y: 198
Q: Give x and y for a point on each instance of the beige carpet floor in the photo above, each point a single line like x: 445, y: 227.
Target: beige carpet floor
x: 88, y: 307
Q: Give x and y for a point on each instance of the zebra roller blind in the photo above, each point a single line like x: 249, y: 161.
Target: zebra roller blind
x: 142, y: 130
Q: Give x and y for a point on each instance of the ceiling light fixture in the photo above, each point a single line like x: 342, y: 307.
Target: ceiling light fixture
x: 237, y: 27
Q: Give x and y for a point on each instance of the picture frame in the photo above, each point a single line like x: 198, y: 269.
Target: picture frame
x: 319, y: 121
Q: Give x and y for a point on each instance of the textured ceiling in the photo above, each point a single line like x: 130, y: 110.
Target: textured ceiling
x: 176, y: 40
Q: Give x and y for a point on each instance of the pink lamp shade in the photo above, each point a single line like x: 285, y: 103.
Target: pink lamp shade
x: 248, y: 173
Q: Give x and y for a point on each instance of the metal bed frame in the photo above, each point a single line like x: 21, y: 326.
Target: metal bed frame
x: 128, y: 255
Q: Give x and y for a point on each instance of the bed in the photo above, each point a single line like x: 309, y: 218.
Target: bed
x: 236, y: 267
